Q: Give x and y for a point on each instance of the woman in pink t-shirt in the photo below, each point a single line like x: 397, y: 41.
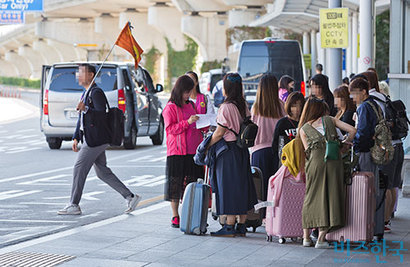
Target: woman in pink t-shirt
x: 266, y: 112
x: 182, y: 141
x: 234, y: 187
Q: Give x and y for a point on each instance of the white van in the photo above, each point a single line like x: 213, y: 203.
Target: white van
x: 270, y: 55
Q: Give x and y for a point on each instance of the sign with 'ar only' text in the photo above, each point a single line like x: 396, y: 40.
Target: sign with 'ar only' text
x: 334, y: 31
x: 21, y: 5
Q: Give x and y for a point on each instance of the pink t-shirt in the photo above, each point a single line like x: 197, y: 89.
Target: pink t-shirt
x: 229, y: 116
x: 266, y: 129
x: 193, y: 135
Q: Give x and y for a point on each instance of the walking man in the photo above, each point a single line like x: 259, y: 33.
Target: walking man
x: 92, y: 130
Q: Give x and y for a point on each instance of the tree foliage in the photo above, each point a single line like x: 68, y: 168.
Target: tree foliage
x: 382, y: 44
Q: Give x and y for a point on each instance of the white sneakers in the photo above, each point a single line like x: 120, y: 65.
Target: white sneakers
x: 132, y: 203
x: 307, y: 242
x: 73, y: 209
x: 70, y: 209
x: 323, y: 245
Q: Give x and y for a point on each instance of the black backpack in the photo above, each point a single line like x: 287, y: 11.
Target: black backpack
x: 247, y: 133
x: 115, y: 121
x: 397, y: 118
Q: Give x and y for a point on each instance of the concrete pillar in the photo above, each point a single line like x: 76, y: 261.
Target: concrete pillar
x: 167, y: 20
x: 335, y: 57
x: 366, y: 35
x: 35, y: 60
x: 71, y: 32
x: 242, y: 17
x: 313, y: 50
x: 355, y: 27
x: 68, y: 52
x: 106, y: 25
x: 23, y: 65
x: 50, y: 53
x: 306, y: 47
x: 349, y: 49
x: 209, y: 33
x: 321, y: 54
x: 8, y: 69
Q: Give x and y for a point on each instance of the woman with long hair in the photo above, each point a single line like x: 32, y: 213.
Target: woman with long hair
x: 286, y: 128
x: 202, y: 102
x: 266, y: 111
x: 324, y: 202
x: 235, y: 190
x: 182, y: 141
x: 345, y: 106
x: 286, y: 85
x: 319, y: 87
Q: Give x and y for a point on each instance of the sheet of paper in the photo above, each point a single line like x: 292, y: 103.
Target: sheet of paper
x: 205, y: 120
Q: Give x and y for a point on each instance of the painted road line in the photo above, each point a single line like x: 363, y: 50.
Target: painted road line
x: 84, y: 228
x: 137, y: 166
x: 44, y: 179
x: 87, y: 196
x: 23, y: 150
x: 137, y: 178
x: 33, y: 174
x: 164, y: 158
x: 43, y: 203
x: 140, y: 158
x: 35, y: 221
x: 25, y: 130
x: 16, y: 193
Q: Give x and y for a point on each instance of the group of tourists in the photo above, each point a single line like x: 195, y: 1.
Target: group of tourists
x: 348, y: 117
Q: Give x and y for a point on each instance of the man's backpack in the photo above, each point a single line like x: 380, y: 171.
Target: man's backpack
x: 247, y: 133
x: 397, y: 118
x: 382, y: 152
x: 115, y: 121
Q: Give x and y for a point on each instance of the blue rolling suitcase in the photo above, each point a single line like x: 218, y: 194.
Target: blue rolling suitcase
x: 194, y: 211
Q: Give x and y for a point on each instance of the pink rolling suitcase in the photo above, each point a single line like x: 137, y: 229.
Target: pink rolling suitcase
x: 360, y: 210
x: 285, y: 220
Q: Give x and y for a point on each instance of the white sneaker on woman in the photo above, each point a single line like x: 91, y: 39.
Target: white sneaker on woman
x: 323, y: 245
x: 70, y: 209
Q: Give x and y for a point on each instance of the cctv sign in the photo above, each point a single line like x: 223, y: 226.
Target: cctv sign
x: 334, y: 31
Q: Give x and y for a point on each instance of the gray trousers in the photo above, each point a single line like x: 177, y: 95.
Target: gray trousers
x: 87, y: 157
x: 366, y: 165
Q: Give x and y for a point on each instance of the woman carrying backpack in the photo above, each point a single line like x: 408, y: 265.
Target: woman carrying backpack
x: 266, y: 111
x: 182, y: 140
x: 324, y: 202
x: 235, y: 190
x: 286, y: 128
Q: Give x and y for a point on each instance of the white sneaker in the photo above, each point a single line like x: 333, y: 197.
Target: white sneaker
x: 307, y: 242
x: 323, y: 245
x: 132, y: 203
x: 70, y: 209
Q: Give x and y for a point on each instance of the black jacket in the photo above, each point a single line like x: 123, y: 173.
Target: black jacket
x: 95, y: 124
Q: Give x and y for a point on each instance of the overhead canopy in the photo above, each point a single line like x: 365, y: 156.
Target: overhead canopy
x: 303, y: 15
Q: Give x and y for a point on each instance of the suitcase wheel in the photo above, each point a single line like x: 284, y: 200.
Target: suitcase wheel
x: 268, y: 238
x: 282, y: 240
x: 254, y: 229
x: 215, y: 217
x: 294, y: 239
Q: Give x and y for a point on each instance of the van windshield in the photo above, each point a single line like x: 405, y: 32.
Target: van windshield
x: 277, y: 57
x: 65, y: 79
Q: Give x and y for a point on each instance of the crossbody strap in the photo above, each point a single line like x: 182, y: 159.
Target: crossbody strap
x: 228, y: 129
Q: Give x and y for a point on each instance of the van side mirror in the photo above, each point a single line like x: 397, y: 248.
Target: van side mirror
x: 159, y: 88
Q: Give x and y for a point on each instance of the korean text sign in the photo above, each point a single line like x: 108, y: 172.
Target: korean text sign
x: 334, y: 31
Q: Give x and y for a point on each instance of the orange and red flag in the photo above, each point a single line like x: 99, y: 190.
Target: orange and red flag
x: 126, y: 41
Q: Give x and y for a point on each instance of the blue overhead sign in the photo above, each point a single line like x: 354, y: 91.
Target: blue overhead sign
x: 11, y: 17
x: 21, y: 5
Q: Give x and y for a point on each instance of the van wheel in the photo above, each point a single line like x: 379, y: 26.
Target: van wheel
x: 158, y: 137
x: 131, y: 141
x: 54, y: 142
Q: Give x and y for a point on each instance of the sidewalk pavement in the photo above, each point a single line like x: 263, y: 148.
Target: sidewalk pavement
x: 145, y: 238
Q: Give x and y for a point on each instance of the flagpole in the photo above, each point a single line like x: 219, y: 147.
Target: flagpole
x: 98, y: 71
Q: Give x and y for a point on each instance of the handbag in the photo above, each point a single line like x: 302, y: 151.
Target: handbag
x: 332, y: 147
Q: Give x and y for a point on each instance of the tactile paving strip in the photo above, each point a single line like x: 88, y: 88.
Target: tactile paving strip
x: 32, y: 259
